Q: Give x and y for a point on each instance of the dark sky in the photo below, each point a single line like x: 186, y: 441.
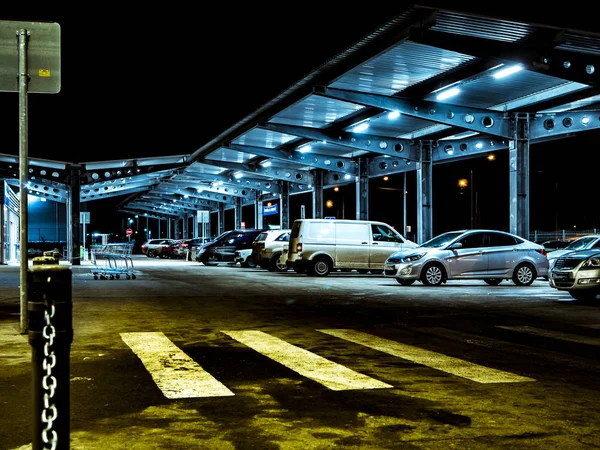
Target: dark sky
x: 142, y: 82
x: 158, y: 82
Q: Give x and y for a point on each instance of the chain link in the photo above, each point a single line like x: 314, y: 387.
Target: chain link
x: 49, y: 414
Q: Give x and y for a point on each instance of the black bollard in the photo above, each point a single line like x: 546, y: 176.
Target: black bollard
x: 50, y: 329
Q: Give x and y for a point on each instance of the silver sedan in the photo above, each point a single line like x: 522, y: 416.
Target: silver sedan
x: 488, y: 255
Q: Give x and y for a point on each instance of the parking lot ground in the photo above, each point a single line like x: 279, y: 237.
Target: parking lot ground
x: 187, y: 356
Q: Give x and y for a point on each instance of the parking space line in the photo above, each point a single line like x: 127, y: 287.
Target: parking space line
x: 555, y: 335
x: 328, y: 373
x: 174, y: 372
x: 449, y: 364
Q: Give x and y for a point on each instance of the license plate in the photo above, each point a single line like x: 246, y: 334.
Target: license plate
x: 561, y: 276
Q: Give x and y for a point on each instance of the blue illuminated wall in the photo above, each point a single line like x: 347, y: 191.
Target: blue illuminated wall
x: 46, y: 220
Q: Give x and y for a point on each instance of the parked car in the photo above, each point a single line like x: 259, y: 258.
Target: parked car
x: 192, y: 246
x: 244, y: 257
x: 222, y: 249
x: 153, y: 248
x: 171, y: 250
x: 319, y: 246
x: 582, y: 243
x: 578, y: 273
x: 488, y: 255
x: 267, y: 248
x: 553, y: 245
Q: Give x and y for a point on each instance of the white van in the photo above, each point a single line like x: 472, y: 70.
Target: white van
x: 318, y: 246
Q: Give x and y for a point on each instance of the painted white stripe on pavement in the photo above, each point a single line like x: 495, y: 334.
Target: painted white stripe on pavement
x: 555, y: 335
x: 174, y: 372
x: 331, y: 375
x: 449, y: 364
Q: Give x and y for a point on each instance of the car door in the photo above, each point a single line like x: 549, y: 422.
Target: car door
x: 504, y: 254
x: 471, y: 260
x: 352, y: 245
x: 384, y: 241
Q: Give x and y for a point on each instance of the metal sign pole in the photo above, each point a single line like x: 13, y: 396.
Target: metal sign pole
x: 22, y: 36
x: 37, y: 58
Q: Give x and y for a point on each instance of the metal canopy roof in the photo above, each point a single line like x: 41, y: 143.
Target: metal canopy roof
x: 400, y: 67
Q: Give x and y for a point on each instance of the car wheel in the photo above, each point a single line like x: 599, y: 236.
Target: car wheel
x: 208, y: 261
x: 277, y: 265
x: 524, y: 275
x: 249, y: 263
x: 405, y: 282
x: 321, y: 267
x: 432, y: 274
x: 150, y: 254
x: 493, y: 281
x: 584, y: 296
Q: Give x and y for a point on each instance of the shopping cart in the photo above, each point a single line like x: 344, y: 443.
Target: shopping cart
x: 112, y: 261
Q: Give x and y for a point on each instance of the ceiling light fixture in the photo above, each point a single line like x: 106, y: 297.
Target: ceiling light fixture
x: 507, y: 71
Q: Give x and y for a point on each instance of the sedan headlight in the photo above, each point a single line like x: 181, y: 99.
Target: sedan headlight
x: 413, y: 257
x: 592, y: 263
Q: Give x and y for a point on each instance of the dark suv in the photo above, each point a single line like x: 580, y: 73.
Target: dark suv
x: 223, y: 248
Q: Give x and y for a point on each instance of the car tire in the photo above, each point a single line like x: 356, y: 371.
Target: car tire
x: 320, y: 267
x: 207, y: 261
x: 524, y: 275
x: 405, y: 282
x: 277, y: 267
x: 584, y: 296
x: 150, y: 254
x: 493, y: 281
x: 433, y: 274
x: 249, y: 262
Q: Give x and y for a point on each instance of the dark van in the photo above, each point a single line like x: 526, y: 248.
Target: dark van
x: 222, y: 249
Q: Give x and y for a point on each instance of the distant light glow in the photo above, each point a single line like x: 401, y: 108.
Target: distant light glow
x: 305, y: 149
x: 508, y: 71
x: 393, y: 115
x: 479, y: 146
x: 452, y: 92
x: 585, y: 120
x: 266, y: 163
x: 347, y: 176
x: 238, y: 175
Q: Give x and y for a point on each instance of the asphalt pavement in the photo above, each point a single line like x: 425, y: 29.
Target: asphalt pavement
x: 137, y: 343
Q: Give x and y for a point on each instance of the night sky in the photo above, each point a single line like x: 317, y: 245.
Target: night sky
x: 141, y: 83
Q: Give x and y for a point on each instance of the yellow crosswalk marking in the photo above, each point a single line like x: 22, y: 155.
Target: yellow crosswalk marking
x: 455, y: 366
x: 174, y: 372
x: 330, y: 374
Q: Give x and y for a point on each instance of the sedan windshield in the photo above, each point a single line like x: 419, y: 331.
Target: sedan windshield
x: 581, y: 243
x: 442, y: 239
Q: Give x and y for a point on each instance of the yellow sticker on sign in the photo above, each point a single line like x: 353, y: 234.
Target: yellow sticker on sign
x: 43, y: 73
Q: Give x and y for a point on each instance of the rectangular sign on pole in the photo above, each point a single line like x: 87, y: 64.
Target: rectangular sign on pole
x: 203, y: 216
x: 43, y: 56
x: 84, y: 217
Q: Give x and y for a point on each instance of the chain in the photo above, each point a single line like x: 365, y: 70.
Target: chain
x: 49, y: 412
